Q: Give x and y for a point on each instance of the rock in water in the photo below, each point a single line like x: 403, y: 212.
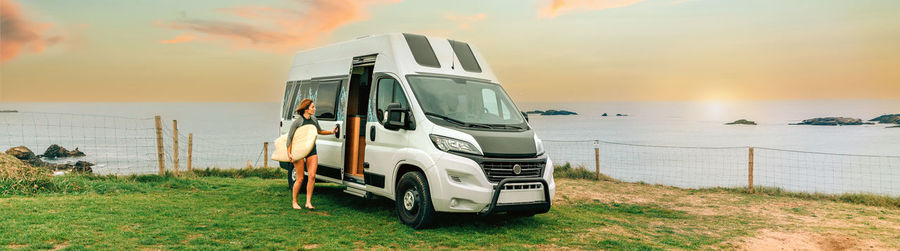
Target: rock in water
x: 832, y: 121
x: 56, y: 151
x: 887, y: 119
x: 741, y: 122
x: 558, y: 112
x: 83, y: 166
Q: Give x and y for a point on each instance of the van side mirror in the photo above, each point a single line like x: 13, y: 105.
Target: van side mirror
x: 525, y: 114
x: 396, y: 117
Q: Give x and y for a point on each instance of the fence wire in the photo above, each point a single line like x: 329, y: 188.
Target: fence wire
x: 122, y: 145
x: 703, y: 167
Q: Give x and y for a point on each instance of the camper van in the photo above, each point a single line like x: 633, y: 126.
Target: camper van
x: 422, y: 121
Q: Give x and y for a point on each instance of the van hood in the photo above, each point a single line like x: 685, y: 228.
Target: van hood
x: 503, y: 144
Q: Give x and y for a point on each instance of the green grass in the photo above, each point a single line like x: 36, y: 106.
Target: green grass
x: 214, y: 213
x: 265, y: 173
x: 855, y: 198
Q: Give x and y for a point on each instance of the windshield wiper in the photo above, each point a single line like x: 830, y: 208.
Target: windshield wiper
x: 456, y: 121
x: 506, y: 126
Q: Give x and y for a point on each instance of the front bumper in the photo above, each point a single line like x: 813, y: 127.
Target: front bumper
x: 459, y: 184
x: 535, y: 207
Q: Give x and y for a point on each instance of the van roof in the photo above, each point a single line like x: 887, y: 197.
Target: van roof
x: 400, y: 53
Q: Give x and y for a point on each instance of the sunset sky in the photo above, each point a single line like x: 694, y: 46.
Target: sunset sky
x: 542, y: 50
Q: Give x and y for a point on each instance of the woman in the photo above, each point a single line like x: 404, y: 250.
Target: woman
x: 307, y: 110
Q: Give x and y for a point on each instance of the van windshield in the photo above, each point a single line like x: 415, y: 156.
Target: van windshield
x: 466, y: 103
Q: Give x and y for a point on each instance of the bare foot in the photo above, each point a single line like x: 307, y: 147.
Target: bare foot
x: 297, y: 206
x: 309, y: 206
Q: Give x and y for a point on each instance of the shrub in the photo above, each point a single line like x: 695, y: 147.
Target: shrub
x: 567, y: 171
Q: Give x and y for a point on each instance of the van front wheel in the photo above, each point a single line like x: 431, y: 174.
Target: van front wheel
x: 413, y: 200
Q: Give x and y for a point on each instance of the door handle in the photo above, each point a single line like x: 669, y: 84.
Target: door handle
x: 372, y: 133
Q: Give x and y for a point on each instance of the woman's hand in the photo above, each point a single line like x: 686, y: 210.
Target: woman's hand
x: 289, y: 154
x: 336, y: 129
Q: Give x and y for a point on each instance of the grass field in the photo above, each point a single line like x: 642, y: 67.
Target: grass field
x: 216, y: 211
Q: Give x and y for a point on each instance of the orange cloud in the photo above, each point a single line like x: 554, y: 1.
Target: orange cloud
x: 280, y: 30
x: 553, y: 8
x: 179, y: 39
x: 16, y: 33
x: 464, y: 21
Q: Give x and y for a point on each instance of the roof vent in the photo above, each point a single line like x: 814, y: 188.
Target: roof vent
x: 421, y: 50
x: 465, y: 55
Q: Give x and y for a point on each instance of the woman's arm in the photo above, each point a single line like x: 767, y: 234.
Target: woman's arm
x: 333, y: 131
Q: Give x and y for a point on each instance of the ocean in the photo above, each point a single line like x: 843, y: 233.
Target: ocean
x: 657, y: 142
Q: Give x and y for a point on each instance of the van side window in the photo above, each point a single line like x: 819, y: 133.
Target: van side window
x: 307, y: 89
x: 289, y: 91
x: 389, y: 91
x: 326, y: 100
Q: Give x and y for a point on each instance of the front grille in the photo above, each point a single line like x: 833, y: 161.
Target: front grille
x: 497, y: 171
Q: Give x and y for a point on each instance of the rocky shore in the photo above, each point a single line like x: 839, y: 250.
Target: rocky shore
x: 28, y: 157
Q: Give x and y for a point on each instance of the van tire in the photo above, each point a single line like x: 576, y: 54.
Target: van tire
x: 291, y: 177
x: 413, y: 201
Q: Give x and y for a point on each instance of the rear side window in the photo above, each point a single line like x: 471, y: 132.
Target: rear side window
x: 389, y: 91
x: 307, y: 89
x: 289, y: 91
x: 465, y: 55
x: 421, y: 50
x: 326, y: 100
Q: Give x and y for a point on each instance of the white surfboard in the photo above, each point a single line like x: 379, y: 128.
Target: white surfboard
x: 302, y: 143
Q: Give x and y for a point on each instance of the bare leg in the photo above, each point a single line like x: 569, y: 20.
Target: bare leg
x: 298, y: 167
x: 313, y: 163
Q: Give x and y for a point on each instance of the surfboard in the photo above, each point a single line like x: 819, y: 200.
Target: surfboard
x: 302, y: 144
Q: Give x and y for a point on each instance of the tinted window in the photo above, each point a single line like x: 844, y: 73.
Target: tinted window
x: 289, y: 92
x: 389, y: 91
x: 307, y: 89
x: 326, y: 100
x: 421, y: 50
x: 465, y: 55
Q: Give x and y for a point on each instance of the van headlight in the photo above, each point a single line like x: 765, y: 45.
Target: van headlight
x: 450, y: 144
x: 538, y: 145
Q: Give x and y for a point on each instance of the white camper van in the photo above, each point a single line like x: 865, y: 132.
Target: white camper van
x: 424, y: 122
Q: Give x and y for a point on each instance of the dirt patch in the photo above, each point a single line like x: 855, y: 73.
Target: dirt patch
x: 16, y: 246
x: 60, y: 246
x: 776, y: 240
x: 311, y: 246
x: 318, y: 213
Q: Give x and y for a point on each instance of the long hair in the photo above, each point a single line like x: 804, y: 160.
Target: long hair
x: 304, y: 104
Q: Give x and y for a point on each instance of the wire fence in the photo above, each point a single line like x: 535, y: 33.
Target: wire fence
x: 122, y: 145
x: 704, y: 167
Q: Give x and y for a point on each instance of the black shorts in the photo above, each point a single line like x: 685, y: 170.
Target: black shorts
x: 312, y: 152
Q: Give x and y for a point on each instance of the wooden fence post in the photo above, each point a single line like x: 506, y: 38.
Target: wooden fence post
x: 597, y: 158
x: 266, y: 155
x: 750, y: 172
x: 175, y: 145
x: 190, y: 150
x: 159, y: 147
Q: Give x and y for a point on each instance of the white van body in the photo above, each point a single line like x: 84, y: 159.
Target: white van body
x: 367, y: 87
